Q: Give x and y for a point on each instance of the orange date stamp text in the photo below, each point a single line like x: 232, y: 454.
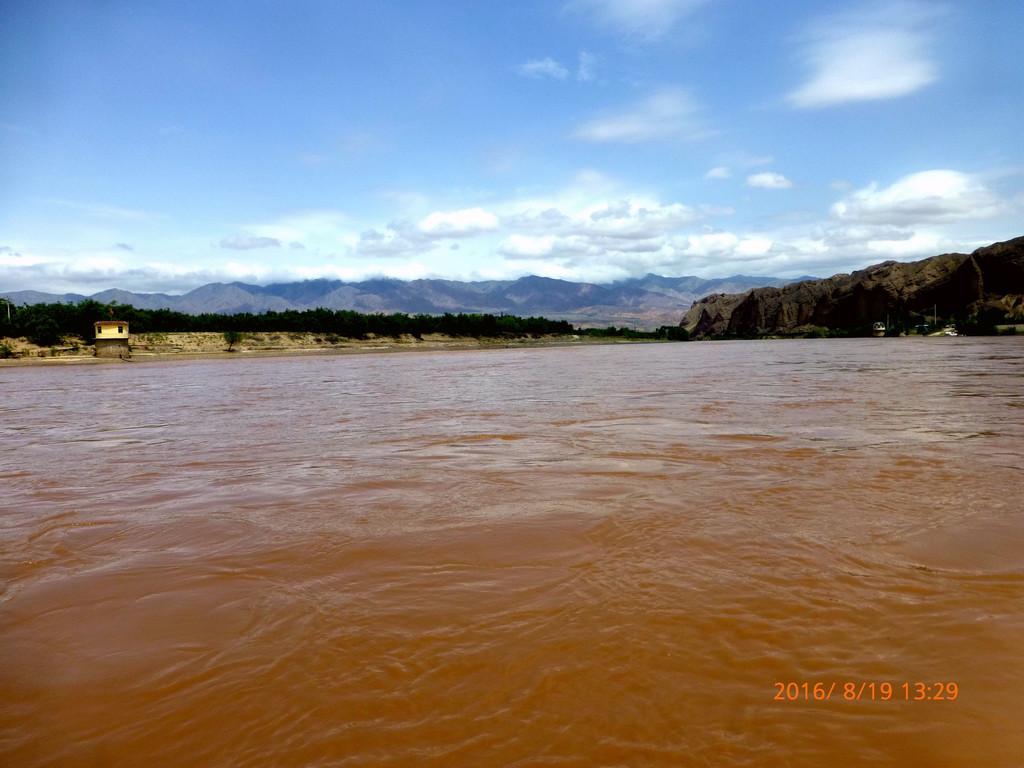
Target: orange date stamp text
x: 865, y: 691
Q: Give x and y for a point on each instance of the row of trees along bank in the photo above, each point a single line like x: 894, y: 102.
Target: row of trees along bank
x: 50, y: 324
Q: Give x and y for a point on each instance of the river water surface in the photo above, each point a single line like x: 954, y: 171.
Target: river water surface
x: 789, y: 553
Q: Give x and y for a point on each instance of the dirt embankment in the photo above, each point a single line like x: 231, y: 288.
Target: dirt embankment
x: 168, y: 346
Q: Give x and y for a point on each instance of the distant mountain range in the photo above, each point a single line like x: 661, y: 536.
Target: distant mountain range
x: 991, y: 279
x: 646, y: 302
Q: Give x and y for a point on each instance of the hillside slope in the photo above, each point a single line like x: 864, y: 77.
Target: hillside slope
x: 950, y: 284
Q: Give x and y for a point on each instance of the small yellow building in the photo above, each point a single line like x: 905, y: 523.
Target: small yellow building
x: 112, y: 339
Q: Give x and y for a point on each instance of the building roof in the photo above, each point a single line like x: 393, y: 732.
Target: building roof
x: 110, y: 322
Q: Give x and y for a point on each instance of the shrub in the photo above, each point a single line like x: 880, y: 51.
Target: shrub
x: 232, y: 338
x: 45, y: 332
x: 674, y: 333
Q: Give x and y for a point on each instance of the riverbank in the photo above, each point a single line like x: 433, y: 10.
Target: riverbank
x: 178, y: 346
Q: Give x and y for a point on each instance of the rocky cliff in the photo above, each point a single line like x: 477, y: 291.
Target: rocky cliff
x: 954, y: 283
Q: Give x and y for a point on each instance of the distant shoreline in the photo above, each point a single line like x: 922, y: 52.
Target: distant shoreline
x: 211, y: 346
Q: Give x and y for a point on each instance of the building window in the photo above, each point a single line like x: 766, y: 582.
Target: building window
x: 120, y: 329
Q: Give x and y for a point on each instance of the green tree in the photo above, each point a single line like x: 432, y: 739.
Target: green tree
x: 232, y: 338
x: 674, y: 333
x: 44, y: 331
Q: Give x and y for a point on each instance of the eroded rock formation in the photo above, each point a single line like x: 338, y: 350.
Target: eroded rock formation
x: 955, y: 282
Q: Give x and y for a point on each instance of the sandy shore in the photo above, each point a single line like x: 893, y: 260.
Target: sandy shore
x: 191, y: 346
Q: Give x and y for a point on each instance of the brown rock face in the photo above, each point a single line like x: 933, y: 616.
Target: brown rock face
x: 993, y: 275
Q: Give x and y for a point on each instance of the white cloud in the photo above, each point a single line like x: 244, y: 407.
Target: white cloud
x: 718, y: 172
x: 878, y: 53
x: 539, y: 68
x: 745, y: 159
x: 580, y: 236
x: 312, y: 227
x: 598, y: 233
x: 586, y: 68
x: 668, y: 114
x: 928, y: 197
x: 624, y: 219
x: 317, y: 229
x: 397, y: 240
x: 532, y: 219
x: 11, y: 258
x: 403, y: 239
x: 769, y: 180
x: 638, y: 19
x: 89, y: 273
x: 594, y: 228
x: 249, y: 242
x: 716, y: 210
x: 99, y: 210
x: 464, y: 223
x: 589, y: 184
x: 862, y: 236
x: 527, y: 247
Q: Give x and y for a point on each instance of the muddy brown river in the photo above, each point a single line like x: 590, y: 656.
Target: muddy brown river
x: 776, y: 553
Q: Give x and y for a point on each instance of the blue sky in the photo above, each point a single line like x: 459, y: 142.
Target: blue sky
x: 158, y: 146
